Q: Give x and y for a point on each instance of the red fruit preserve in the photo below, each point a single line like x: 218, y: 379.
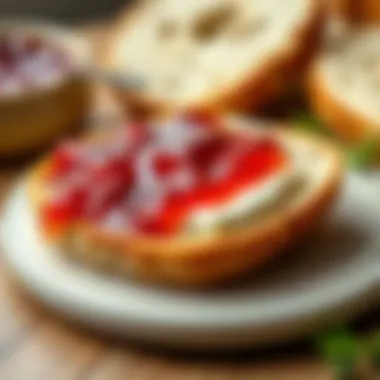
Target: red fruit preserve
x: 148, y: 179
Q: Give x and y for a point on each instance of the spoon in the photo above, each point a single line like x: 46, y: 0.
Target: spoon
x: 114, y: 78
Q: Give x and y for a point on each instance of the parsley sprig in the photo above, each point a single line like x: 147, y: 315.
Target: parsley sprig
x: 351, y: 357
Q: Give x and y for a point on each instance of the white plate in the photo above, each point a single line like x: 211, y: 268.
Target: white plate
x: 334, y: 278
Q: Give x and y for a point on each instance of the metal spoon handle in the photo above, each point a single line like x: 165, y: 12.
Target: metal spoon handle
x: 114, y: 78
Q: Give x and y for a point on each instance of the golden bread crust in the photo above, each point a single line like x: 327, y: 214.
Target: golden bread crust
x: 363, y: 12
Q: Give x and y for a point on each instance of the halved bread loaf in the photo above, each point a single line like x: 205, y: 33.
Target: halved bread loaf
x: 345, y: 83
x: 215, y: 54
x: 209, y: 257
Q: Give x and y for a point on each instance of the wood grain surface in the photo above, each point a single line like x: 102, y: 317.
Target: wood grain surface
x: 36, y: 345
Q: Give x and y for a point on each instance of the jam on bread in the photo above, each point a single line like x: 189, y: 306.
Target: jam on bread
x: 147, y: 179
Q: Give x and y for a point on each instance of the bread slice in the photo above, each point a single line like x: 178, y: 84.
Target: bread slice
x: 210, y: 257
x: 215, y: 54
x: 344, y: 84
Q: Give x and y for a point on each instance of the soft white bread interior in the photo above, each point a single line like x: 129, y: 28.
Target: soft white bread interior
x: 211, y: 256
x: 345, y: 83
x: 216, y: 53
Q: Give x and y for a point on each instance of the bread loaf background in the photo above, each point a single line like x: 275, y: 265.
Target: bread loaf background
x: 344, y: 84
x: 227, y: 54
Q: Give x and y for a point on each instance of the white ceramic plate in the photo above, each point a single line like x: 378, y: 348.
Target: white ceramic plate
x: 332, y: 278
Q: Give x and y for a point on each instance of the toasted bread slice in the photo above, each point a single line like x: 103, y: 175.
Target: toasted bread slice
x: 218, y: 54
x: 210, y: 257
x: 345, y: 82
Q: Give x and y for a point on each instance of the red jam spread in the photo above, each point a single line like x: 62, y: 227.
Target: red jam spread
x: 148, y: 179
x: 29, y: 62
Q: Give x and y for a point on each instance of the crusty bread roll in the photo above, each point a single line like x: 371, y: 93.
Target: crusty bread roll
x: 345, y: 83
x: 208, y: 257
x: 215, y: 54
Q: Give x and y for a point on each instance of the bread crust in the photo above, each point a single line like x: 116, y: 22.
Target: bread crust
x: 249, y: 93
x: 345, y: 121
x: 363, y: 12
x: 194, y: 261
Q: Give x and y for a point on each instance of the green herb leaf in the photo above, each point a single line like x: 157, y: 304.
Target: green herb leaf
x: 341, y: 350
x: 374, y: 351
x: 363, y: 155
x: 310, y: 123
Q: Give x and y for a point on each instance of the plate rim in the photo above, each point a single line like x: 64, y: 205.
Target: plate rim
x: 367, y: 290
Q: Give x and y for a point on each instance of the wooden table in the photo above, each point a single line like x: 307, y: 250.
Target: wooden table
x: 36, y: 345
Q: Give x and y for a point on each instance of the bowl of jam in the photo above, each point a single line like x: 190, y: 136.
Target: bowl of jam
x: 42, y: 96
